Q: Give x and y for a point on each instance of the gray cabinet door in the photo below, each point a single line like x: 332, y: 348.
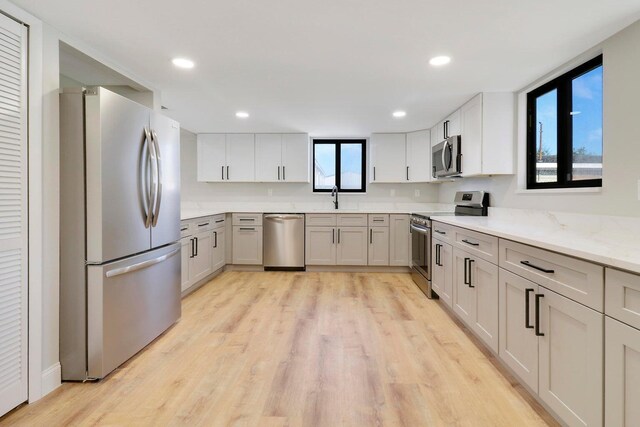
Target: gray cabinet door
x: 378, y: 246
x: 166, y: 223
x: 571, y: 359
x: 116, y: 153
x: 622, y: 374
x: 518, y: 344
x: 201, y: 258
x: 399, y: 240
x: 247, y: 245
x: 218, y: 249
x: 352, y: 246
x: 320, y: 246
x: 442, y: 273
x: 185, y: 263
x: 483, y: 277
x: 464, y: 304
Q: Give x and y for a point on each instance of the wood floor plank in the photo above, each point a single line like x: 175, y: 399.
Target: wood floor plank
x: 301, y: 349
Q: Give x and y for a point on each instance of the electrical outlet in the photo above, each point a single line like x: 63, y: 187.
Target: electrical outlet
x: 416, y: 193
x: 393, y: 192
x: 270, y: 192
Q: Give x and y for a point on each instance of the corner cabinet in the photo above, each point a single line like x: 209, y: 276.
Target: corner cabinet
x: 226, y: 157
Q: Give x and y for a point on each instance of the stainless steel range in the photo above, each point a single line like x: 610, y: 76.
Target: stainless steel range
x: 470, y: 203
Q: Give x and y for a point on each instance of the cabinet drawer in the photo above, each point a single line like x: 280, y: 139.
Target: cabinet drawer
x: 442, y: 232
x: 479, y: 244
x: 320, y: 220
x: 202, y: 224
x: 185, y: 229
x: 218, y: 221
x: 578, y: 280
x: 246, y: 219
x: 378, y: 220
x: 352, y: 220
x: 622, y: 297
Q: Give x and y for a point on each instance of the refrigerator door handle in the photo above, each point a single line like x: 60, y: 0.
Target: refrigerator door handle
x: 141, y: 265
x: 144, y: 182
x: 154, y: 178
x: 156, y: 213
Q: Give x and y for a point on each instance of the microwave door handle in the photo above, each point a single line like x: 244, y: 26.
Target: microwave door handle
x: 444, y: 149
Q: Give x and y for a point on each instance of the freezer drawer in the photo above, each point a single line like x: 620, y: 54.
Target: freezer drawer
x: 129, y: 303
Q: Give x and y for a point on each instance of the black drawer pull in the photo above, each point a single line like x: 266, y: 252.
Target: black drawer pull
x: 247, y: 219
x: 538, y: 333
x: 470, y: 243
x: 184, y: 228
x: 544, y: 270
x: 219, y: 221
x: 247, y: 229
x: 204, y: 224
x: 526, y: 308
x: 440, y: 232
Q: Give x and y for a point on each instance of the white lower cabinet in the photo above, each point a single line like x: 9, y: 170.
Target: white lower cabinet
x: 352, y: 246
x: 378, y: 246
x: 399, y: 240
x: 442, y: 271
x: 622, y: 374
x: 320, y: 246
x: 218, y: 249
x: 475, y: 295
x: 518, y: 347
x: 247, y: 245
x: 571, y: 359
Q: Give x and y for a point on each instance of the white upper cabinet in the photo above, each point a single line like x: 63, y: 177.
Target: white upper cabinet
x: 418, y: 156
x: 488, y: 134
x: 388, y: 157
x: 295, y: 157
x: 226, y: 157
x: 268, y: 157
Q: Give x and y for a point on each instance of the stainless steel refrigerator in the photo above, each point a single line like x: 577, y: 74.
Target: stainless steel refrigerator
x: 119, y: 229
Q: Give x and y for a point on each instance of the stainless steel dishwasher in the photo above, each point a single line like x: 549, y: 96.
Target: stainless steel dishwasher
x: 283, y: 242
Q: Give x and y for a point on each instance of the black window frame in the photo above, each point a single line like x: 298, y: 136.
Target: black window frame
x: 338, y: 143
x: 563, y: 85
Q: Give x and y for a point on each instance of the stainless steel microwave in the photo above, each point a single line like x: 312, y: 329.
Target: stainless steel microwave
x: 446, y: 157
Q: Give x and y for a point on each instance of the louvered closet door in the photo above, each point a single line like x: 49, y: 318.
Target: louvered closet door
x: 13, y: 214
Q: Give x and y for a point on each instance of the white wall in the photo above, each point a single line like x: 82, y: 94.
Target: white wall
x: 194, y: 191
x: 621, y: 140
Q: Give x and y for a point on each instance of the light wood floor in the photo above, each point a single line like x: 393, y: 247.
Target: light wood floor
x: 300, y: 349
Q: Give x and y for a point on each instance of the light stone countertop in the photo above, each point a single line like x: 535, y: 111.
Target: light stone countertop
x: 609, y: 240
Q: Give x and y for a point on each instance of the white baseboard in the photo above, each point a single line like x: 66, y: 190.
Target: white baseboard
x: 51, y: 378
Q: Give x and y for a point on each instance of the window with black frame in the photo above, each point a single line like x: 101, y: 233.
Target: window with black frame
x: 564, y: 130
x: 340, y: 163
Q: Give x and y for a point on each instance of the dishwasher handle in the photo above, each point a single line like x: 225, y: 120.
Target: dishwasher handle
x: 284, y: 216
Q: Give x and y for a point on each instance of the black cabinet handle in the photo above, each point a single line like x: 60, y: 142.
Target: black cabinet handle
x: 338, y: 236
x: 193, y: 249
x: 284, y: 173
x: 196, y: 246
x: 219, y: 220
x: 333, y: 236
x: 371, y: 236
x: 470, y: 261
x: 438, y: 256
x: 407, y: 173
x: 204, y: 224
x: 223, y: 173
x: 184, y: 228
x: 544, y: 270
x: 215, y: 241
x: 247, y: 229
x: 278, y: 173
x: 466, y: 270
x: 440, y: 232
x: 526, y: 308
x: 470, y: 243
x: 374, y: 173
x: 538, y: 297
x: 227, y: 172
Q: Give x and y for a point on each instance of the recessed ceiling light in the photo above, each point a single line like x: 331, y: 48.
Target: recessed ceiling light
x: 183, y: 63
x: 242, y: 114
x: 439, y: 60
x: 399, y: 114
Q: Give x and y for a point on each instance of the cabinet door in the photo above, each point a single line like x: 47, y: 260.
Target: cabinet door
x: 418, y: 156
x: 200, y: 263
x: 185, y: 253
x: 571, y: 359
x: 442, y: 274
x: 464, y: 303
x: 352, y: 246
x: 483, y: 277
x: 399, y: 240
x: 378, y: 246
x: 388, y: 157
x: 268, y: 157
x: 247, y: 245
x: 212, y: 155
x: 622, y: 374
x: 437, y: 133
x: 240, y: 157
x: 518, y: 344
x: 453, y: 124
x: 218, y: 250
x: 295, y: 157
x: 320, y: 246
x: 471, y: 132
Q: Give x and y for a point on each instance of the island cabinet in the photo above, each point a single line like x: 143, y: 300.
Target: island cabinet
x: 622, y: 349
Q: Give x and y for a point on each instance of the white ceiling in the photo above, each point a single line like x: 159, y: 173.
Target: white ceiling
x: 333, y: 67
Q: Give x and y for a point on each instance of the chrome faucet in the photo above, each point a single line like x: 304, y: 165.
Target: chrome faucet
x: 334, y: 193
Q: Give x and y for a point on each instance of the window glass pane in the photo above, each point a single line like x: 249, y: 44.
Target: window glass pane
x: 586, y: 117
x: 325, y: 166
x: 350, y: 166
x: 547, y: 137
